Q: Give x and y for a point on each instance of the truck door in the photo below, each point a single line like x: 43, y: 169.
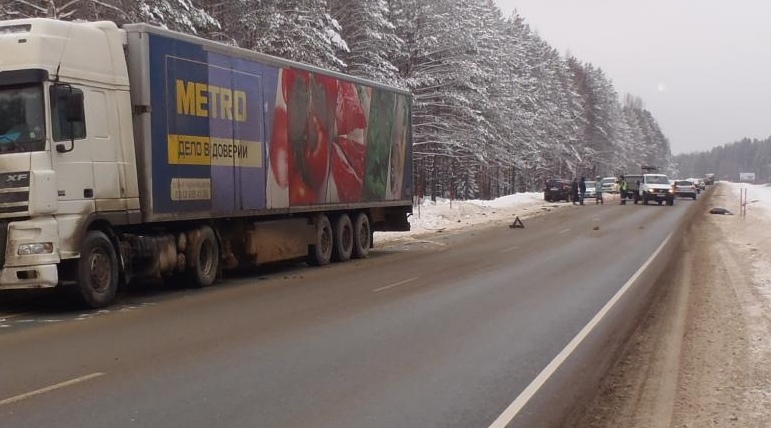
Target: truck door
x: 72, y: 153
x: 249, y: 137
x: 237, y: 135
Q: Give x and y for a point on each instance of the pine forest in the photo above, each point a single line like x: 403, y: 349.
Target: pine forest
x: 496, y: 109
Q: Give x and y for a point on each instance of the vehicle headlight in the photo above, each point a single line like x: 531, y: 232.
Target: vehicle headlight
x: 36, y: 248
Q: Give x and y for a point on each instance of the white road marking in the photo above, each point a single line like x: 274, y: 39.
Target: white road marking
x: 564, y: 231
x: 511, y: 412
x: 396, y: 284
x: 506, y: 250
x: 49, y: 388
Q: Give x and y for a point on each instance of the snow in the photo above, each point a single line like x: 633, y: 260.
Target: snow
x: 446, y: 214
x: 758, y: 214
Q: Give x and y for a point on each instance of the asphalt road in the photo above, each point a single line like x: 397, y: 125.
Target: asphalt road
x: 442, y: 332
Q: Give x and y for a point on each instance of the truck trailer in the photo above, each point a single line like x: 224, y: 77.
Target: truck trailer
x: 140, y: 153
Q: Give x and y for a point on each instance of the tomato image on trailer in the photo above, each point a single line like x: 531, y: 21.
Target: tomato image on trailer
x: 330, y: 142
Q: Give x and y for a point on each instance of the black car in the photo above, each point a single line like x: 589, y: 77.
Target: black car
x: 556, y: 190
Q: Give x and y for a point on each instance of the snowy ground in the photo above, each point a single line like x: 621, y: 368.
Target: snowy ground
x: 445, y: 214
x: 758, y: 214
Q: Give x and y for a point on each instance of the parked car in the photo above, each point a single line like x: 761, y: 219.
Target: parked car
x: 609, y: 185
x: 591, y: 189
x: 685, y: 189
x: 557, y: 189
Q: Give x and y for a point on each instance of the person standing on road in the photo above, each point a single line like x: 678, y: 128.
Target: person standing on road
x: 598, y: 191
x: 574, y: 191
x: 582, y: 189
x: 622, y: 188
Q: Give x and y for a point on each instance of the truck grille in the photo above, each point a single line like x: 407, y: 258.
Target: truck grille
x: 14, y: 194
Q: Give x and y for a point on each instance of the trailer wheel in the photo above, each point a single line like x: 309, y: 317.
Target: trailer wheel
x: 97, y: 270
x: 203, y: 257
x: 320, y: 253
x: 343, y: 246
x: 362, y: 236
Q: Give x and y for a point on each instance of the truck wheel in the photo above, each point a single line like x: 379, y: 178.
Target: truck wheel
x: 661, y: 202
x: 671, y: 202
x: 97, y: 270
x: 644, y: 199
x: 320, y: 253
x: 203, y: 257
x: 343, y: 246
x: 362, y: 236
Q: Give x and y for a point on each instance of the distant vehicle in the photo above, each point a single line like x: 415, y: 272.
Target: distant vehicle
x: 698, y: 182
x: 685, y: 189
x: 709, y: 179
x: 591, y: 189
x: 656, y: 187
x: 609, y: 185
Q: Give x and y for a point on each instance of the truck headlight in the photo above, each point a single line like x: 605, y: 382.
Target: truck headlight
x: 36, y: 248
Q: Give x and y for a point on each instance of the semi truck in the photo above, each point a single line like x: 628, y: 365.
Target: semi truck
x: 132, y: 153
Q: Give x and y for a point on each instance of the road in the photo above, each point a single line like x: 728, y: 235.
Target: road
x: 446, y: 331
x: 701, y: 355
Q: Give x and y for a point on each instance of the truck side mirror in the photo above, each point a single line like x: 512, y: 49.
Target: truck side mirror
x: 71, y: 112
x: 74, y: 107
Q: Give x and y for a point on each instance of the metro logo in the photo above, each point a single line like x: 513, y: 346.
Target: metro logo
x: 203, y: 100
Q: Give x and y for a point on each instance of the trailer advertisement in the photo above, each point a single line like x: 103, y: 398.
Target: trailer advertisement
x: 239, y: 135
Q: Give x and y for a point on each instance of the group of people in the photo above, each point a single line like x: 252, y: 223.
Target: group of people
x: 578, y: 189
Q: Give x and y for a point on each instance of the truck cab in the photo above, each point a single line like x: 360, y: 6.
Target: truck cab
x: 65, y: 143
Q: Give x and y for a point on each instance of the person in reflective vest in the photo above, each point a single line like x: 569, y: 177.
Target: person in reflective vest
x: 622, y: 188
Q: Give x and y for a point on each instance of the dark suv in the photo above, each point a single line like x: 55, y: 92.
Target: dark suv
x: 556, y: 190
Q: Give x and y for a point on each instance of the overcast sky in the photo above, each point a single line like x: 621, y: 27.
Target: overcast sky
x: 701, y: 67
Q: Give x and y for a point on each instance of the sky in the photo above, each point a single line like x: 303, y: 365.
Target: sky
x: 701, y: 67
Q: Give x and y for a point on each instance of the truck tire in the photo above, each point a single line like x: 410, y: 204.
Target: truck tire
x: 362, y: 236
x: 343, y: 245
x: 98, y: 271
x: 203, y: 257
x: 671, y: 202
x: 320, y: 253
x: 644, y: 199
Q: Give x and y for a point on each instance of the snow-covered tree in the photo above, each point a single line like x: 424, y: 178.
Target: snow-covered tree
x: 369, y: 37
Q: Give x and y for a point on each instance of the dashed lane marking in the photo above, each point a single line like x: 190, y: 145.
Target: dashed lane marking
x: 396, y: 284
x: 50, y: 388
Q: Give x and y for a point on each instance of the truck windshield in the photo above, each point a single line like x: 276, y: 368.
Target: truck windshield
x: 22, y: 126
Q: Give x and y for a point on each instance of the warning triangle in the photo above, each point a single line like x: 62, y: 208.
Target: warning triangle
x: 517, y: 224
